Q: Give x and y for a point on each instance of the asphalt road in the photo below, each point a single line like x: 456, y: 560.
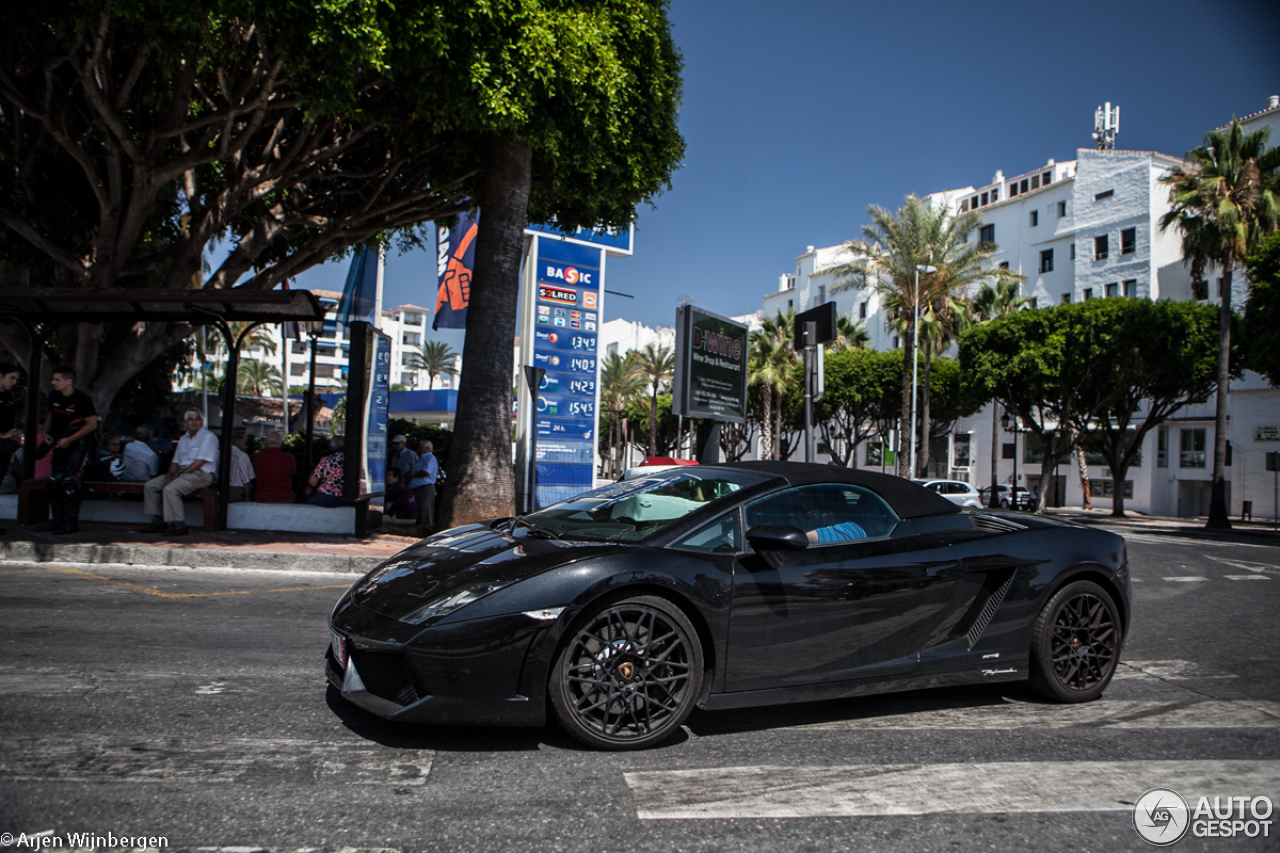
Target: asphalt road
x: 189, y: 705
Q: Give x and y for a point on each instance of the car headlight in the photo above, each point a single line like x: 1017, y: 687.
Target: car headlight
x: 456, y: 600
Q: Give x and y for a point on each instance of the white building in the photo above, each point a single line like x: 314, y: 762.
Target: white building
x: 1084, y: 229
x: 407, y: 325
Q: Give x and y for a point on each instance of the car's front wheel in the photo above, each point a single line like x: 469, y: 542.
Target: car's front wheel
x: 1075, y: 643
x: 629, y: 674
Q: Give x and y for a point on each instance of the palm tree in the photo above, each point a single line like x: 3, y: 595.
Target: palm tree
x: 653, y: 365
x: 435, y: 357
x: 769, y: 366
x: 850, y: 334
x: 1003, y: 299
x: 894, y: 245
x: 257, y: 378
x: 619, y: 385
x: 1224, y: 201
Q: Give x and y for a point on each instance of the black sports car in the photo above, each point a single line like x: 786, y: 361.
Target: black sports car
x: 722, y: 587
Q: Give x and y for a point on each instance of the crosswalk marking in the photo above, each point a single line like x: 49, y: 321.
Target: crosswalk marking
x: 865, y: 790
x: 101, y: 758
x: 1187, y: 579
x: 1101, y: 714
x: 1247, y: 577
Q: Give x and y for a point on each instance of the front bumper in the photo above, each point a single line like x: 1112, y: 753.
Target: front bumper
x: 478, y: 672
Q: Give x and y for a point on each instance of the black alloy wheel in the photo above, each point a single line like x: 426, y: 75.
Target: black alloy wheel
x: 1075, y: 643
x: 629, y: 674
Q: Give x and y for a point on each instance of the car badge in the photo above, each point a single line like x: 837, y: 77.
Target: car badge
x: 626, y: 669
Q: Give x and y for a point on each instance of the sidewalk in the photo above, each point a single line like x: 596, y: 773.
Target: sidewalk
x: 1257, y: 530
x: 249, y: 549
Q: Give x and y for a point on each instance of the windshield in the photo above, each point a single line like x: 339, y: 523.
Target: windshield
x: 637, y: 509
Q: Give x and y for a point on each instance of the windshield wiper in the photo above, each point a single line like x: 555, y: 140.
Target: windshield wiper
x: 534, y: 529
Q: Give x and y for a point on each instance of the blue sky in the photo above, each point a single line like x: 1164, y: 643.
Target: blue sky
x: 798, y: 116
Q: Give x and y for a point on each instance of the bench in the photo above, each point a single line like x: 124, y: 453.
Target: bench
x: 33, y: 505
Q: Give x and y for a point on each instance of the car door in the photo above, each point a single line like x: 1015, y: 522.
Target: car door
x: 837, y: 610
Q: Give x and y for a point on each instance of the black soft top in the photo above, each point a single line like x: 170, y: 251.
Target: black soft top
x: 908, y: 499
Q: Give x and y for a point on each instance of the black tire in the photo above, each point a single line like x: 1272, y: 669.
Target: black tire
x: 1004, y: 503
x: 1075, y: 643
x: 629, y: 674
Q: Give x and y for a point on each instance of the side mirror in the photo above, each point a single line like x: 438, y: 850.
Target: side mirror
x: 777, y: 537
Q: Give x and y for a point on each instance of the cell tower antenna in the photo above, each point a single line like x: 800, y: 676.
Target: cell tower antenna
x: 1106, y: 124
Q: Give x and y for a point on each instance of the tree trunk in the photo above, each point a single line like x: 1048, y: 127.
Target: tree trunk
x: 925, y: 432
x: 1117, y: 492
x: 1218, y: 510
x: 766, y: 428
x: 653, y: 422
x: 482, y: 475
x: 904, y: 419
x: 994, y: 503
x: 1082, y: 468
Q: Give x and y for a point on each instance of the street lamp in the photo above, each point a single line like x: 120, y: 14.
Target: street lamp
x: 1014, y: 426
x: 915, y: 359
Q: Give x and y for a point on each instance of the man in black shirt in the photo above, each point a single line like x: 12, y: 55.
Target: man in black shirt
x: 9, y: 433
x: 69, y: 428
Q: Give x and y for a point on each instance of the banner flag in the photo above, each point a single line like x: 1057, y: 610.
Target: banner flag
x: 455, y: 259
x: 360, y: 293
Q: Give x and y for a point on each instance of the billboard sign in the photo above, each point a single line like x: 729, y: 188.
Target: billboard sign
x: 711, y: 366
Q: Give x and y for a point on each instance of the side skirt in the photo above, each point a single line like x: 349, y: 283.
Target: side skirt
x: 1006, y: 670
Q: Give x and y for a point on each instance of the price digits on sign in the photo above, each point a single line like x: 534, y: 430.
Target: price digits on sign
x: 582, y: 409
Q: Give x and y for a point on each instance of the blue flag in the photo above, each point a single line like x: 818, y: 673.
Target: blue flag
x: 360, y: 293
x: 455, y: 259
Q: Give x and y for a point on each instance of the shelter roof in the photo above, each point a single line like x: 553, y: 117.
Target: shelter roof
x: 61, y: 306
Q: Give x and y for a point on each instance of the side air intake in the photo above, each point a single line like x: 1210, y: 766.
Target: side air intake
x: 988, y: 611
x: 996, y: 524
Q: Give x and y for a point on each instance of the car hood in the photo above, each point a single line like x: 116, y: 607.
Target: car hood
x: 437, y: 566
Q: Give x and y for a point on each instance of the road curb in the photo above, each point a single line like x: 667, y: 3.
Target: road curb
x: 151, y: 555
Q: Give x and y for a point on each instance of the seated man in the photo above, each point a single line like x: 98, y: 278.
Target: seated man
x: 275, y: 468
x: 193, y: 467
x: 241, y: 477
x: 840, y: 532
x: 401, y: 506
x: 140, y: 462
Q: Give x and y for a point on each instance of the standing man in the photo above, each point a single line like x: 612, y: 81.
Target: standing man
x: 140, y: 462
x: 423, y: 484
x: 401, y: 456
x: 69, y: 428
x: 10, y: 435
x: 241, y: 478
x: 194, y: 464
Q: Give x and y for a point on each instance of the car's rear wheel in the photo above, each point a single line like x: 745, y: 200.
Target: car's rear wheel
x: 629, y: 675
x: 1075, y: 643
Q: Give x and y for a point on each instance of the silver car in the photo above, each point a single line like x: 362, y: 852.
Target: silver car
x: 961, y: 494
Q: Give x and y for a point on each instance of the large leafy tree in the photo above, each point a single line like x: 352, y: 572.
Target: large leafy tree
x: 862, y: 394
x: 1262, y: 315
x: 1224, y: 201
x: 886, y: 259
x: 575, y: 103
x: 1163, y: 357
x: 991, y: 302
x: 137, y: 132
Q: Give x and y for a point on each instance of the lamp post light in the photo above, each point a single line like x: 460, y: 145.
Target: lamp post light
x: 915, y: 359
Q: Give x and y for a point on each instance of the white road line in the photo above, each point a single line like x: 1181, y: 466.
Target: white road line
x: 1247, y: 565
x: 1193, y: 541
x: 1105, y: 713
x: 864, y: 790
x: 1188, y: 579
x: 1168, y: 670
x: 99, y: 758
x: 1247, y: 577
